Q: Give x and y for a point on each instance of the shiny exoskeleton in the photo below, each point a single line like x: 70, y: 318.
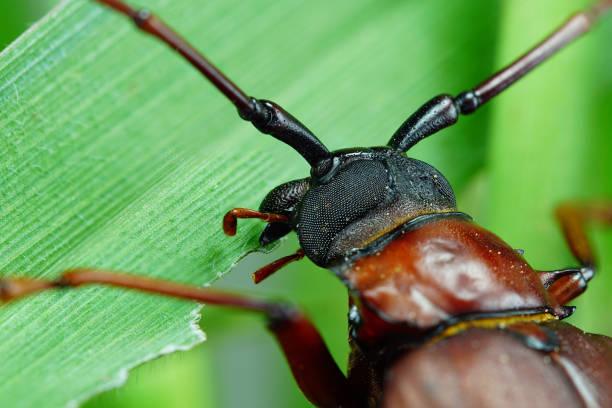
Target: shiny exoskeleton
x: 432, y: 292
x: 442, y: 312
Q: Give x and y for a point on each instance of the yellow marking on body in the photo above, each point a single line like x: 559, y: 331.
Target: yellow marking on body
x: 493, y: 323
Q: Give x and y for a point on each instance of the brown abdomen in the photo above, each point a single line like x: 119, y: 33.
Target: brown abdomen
x: 492, y: 368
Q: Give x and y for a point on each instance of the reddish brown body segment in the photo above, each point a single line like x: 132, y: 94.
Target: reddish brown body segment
x: 446, y: 268
x: 492, y: 368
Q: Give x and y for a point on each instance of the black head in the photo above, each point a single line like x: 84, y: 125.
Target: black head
x: 353, y: 197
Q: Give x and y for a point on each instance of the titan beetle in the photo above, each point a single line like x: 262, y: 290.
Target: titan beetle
x: 442, y: 311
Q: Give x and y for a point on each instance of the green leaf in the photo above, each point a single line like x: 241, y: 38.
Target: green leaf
x: 116, y: 154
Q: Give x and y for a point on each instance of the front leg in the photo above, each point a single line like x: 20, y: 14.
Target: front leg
x: 313, y: 367
x: 566, y: 284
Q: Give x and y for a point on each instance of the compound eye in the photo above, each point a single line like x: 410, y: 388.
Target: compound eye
x: 328, y: 207
x: 325, y: 169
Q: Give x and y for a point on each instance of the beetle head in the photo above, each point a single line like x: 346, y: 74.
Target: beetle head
x: 353, y: 197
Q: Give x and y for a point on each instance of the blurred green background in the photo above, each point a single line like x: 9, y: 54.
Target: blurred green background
x: 509, y: 184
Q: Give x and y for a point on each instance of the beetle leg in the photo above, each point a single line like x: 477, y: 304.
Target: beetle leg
x: 444, y: 110
x: 566, y: 284
x: 313, y: 367
x: 573, y: 217
x: 230, y: 220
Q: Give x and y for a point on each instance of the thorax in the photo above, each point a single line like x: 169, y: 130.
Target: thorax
x: 436, y: 272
